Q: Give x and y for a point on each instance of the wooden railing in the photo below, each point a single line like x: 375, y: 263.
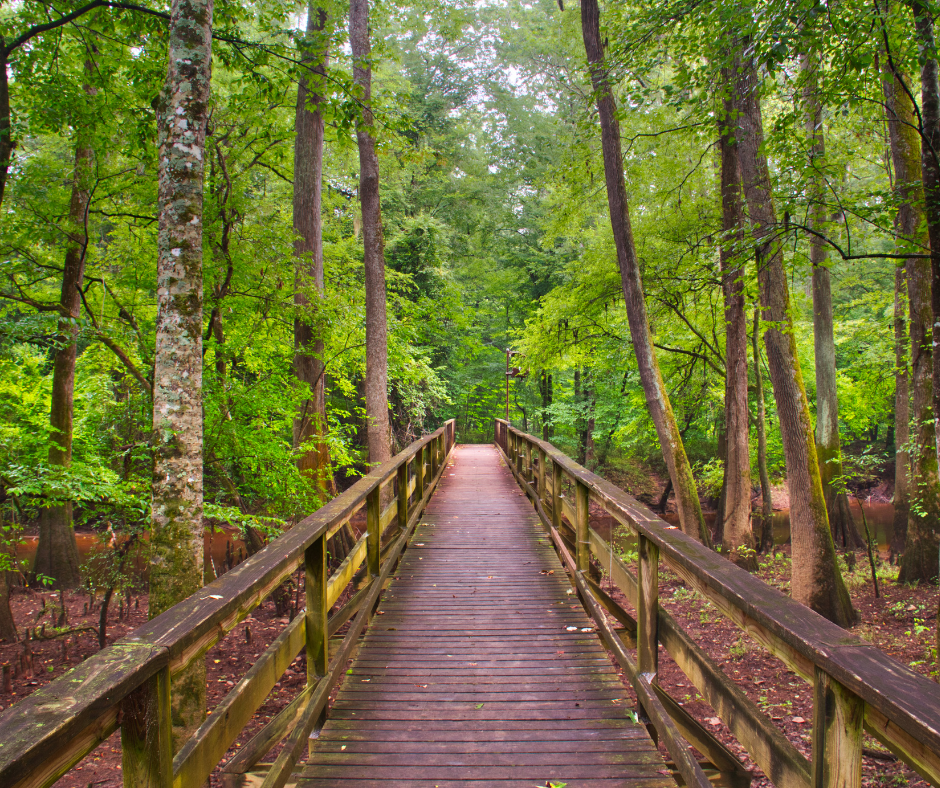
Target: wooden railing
x: 856, y: 687
x: 127, y: 685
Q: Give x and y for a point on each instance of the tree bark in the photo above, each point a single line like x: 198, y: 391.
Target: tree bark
x: 766, y: 538
x: 378, y: 431
x: 546, y: 389
x: 919, y: 561
x: 828, y: 447
x: 816, y: 580
x: 735, y: 525
x: 6, y: 127
x: 310, y: 423
x: 657, y: 399
x: 923, y: 529
x: 57, y: 551
x: 176, y: 569
x: 902, y: 416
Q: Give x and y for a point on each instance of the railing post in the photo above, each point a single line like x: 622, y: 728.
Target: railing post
x: 432, y: 446
x: 648, y: 606
x: 403, y: 494
x: 581, y: 526
x: 528, y: 461
x: 374, y: 525
x: 147, y: 734
x: 556, y: 495
x: 315, y: 625
x: 419, y: 474
x: 838, y: 715
x: 541, y: 490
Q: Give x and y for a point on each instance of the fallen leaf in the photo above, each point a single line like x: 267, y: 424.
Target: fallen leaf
x: 479, y: 705
x: 798, y: 720
x: 713, y: 721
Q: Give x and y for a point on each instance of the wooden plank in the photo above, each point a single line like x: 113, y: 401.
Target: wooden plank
x: 147, y: 734
x: 837, y: 734
x: 44, y: 735
x: 389, y: 513
x: 373, y: 530
x: 580, y: 522
x: 199, y: 756
x: 647, y: 609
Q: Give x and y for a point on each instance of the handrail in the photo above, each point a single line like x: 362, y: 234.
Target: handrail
x: 127, y: 684
x: 855, y: 684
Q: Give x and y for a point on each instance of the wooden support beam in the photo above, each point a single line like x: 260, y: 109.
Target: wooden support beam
x: 419, y: 473
x: 838, y: 715
x: 316, y: 630
x: 582, y: 540
x: 147, y: 734
x: 542, y: 496
x: 556, y: 495
x: 648, y: 608
x: 374, y: 529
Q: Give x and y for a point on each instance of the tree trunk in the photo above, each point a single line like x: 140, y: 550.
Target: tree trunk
x: 379, y: 435
x: 6, y: 127
x: 310, y: 423
x: 735, y: 525
x: 816, y: 580
x: 766, y: 538
x: 7, y: 624
x: 546, y: 388
x: 176, y: 569
x: 657, y: 399
x: 828, y: 448
x: 57, y: 551
x: 902, y: 417
x: 923, y: 282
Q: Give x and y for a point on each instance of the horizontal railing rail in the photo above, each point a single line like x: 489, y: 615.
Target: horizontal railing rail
x: 856, y: 686
x: 127, y: 685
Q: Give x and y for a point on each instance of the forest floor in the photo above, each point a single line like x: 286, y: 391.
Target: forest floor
x: 902, y: 622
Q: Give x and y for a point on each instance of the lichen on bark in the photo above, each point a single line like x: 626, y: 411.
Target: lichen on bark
x: 177, y: 532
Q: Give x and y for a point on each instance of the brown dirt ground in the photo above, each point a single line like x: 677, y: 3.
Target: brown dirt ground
x: 902, y: 622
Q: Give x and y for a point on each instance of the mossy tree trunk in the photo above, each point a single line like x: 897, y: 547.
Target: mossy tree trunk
x: 691, y: 519
x: 310, y: 423
x: 828, y: 447
x: 176, y: 569
x: 765, y: 539
x: 923, y: 282
x: 376, y: 384
x: 816, y: 580
x: 735, y: 509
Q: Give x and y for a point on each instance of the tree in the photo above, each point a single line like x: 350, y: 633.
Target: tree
x: 828, y: 448
x: 657, y: 399
x: 373, y: 243
x: 736, y: 512
x: 310, y: 424
x: 816, y: 580
x: 176, y: 569
x: 57, y: 551
x: 920, y: 560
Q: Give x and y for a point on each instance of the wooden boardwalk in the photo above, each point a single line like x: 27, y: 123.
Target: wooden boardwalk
x: 481, y: 666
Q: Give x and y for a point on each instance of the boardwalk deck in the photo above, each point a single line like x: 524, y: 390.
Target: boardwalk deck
x: 481, y: 666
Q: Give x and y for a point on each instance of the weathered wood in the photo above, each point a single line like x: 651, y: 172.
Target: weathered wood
x: 147, y: 734
x: 542, y: 494
x: 608, y: 603
x: 316, y: 629
x: 193, y: 764
x: 902, y: 709
x: 647, y: 609
x: 374, y: 530
x: 581, y: 526
x: 45, y: 734
x: 770, y: 749
x: 568, y: 511
x: 345, y: 571
x: 837, y: 734
x: 556, y: 494
x: 419, y: 473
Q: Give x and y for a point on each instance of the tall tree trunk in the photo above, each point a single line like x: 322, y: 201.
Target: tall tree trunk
x: 923, y: 529
x: 6, y: 127
x: 176, y: 569
x: 766, y: 538
x: 920, y: 560
x: 657, y: 399
x: 379, y: 434
x: 57, y: 551
x: 310, y: 423
x: 735, y: 525
x: 546, y: 387
x: 902, y: 416
x: 828, y: 448
x: 816, y: 580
